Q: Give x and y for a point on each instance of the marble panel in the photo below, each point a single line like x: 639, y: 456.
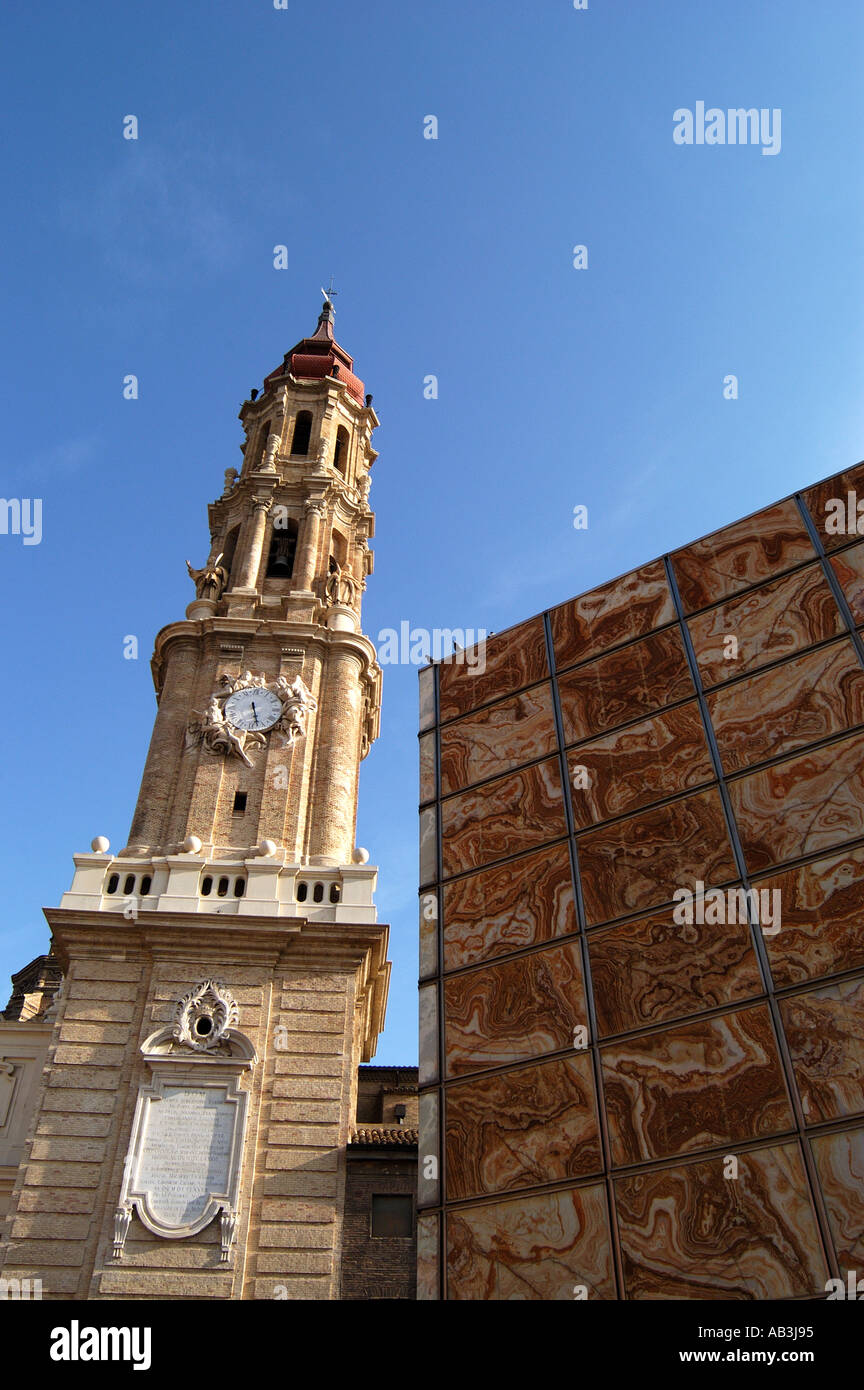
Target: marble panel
x: 840, y: 1161
x: 825, y: 1033
x: 513, y: 1010
x: 521, y: 1128
x: 837, y: 526
x: 655, y: 970
x: 779, y: 619
x: 636, y: 766
x: 749, y: 552
x: 822, y: 908
x: 531, y: 1248
x: 628, y: 607
x: 519, y: 904
x: 690, y: 1233
x: 638, y: 863
x: 497, y: 738
x: 427, y: 697
x: 705, y: 1082
x: 510, y: 661
x: 804, y: 700
x: 627, y: 684
x: 517, y: 812
x: 803, y: 805
x: 427, y: 767
x: 849, y: 569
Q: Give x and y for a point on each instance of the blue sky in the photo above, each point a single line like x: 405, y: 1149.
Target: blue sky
x: 452, y: 257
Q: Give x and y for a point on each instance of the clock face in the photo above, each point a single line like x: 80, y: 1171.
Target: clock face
x: 253, y: 710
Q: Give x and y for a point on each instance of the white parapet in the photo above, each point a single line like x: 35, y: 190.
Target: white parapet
x: 253, y: 887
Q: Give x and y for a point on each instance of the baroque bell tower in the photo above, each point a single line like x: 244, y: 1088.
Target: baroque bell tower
x: 225, y: 972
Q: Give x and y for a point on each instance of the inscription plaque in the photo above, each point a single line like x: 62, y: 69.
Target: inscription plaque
x: 186, y: 1151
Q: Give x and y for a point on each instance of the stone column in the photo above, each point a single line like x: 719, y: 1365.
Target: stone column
x: 248, y: 576
x: 305, y: 571
x: 333, y: 802
x: 149, y: 823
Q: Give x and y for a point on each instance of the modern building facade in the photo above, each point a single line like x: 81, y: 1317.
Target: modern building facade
x: 642, y: 956
x: 225, y: 973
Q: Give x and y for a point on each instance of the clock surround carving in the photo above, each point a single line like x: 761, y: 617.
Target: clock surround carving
x: 225, y: 726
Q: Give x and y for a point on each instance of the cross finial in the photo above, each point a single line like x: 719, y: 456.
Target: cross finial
x: 329, y: 294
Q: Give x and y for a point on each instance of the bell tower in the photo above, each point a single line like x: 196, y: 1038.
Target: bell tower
x: 278, y: 598
x: 228, y: 960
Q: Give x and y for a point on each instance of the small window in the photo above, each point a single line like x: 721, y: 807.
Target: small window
x: 302, y: 433
x: 129, y: 884
x: 239, y: 887
x: 206, y: 886
x: 240, y: 803
x: 334, y: 892
x: 112, y: 883
x: 222, y: 889
x: 146, y: 884
x: 392, y: 1216
x: 318, y: 893
x: 302, y: 892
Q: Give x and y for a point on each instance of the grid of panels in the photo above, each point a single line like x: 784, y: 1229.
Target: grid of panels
x: 629, y: 1092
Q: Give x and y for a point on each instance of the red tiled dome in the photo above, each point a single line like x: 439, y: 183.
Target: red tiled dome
x: 320, y: 356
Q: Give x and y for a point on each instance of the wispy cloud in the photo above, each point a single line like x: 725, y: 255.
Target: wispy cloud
x: 161, y: 211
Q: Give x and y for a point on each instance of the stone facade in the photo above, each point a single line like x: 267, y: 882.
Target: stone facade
x: 240, y: 868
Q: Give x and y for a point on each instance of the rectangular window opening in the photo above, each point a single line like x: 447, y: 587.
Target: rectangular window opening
x: 392, y: 1215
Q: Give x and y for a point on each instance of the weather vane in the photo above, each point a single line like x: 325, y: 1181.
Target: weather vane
x: 329, y: 294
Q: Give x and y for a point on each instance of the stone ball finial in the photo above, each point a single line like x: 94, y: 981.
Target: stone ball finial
x: 100, y: 845
x: 360, y: 855
x: 191, y: 844
x: 267, y: 848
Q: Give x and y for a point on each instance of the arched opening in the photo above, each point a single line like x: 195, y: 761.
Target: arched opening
x: 302, y: 433
x: 283, y: 549
x: 340, y: 451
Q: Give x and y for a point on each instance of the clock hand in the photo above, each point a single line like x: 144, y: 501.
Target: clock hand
x: 254, y: 711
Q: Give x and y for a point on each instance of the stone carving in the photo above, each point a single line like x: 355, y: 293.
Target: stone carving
x: 218, y: 735
x: 211, y: 580
x: 298, y: 701
x: 231, y: 476
x: 186, y: 1153
x: 341, y: 586
x: 245, y: 682
x: 321, y: 458
x: 204, y: 1016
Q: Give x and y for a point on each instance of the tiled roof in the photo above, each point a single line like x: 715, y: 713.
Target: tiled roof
x: 385, y: 1138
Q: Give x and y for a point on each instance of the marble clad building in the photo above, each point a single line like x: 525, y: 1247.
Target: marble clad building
x: 634, y: 1086
x: 225, y: 973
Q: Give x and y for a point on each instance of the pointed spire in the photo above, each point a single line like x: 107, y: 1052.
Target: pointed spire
x: 324, y: 331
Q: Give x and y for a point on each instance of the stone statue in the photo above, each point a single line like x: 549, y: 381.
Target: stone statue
x: 211, y: 580
x: 218, y: 735
x: 341, y: 586
x: 231, y: 476
x: 297, y: 701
